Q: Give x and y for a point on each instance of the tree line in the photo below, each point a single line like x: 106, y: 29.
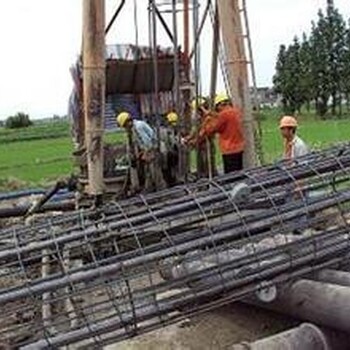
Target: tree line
x: 315, y: 69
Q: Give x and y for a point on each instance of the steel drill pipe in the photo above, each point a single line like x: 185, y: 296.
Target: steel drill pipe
x: 197, y: 205
x: 206, y: 236
x: 111, y: 281
x: 40, y: 245
x: 156, y: 308
x: 145, y: 311
x: 341, y: 278
x: 253, y: 175
x: 126, y: 214
x: 305, y: 337
x: 225, y: 283
x: 323, y: 303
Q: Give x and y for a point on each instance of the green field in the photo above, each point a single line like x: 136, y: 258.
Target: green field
x: 317, y: 133
x: 42, y: 153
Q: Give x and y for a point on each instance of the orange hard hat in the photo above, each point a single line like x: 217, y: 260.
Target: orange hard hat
x: 288, y: 122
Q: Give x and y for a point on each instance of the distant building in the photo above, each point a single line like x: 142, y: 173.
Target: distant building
x: 267, y: 97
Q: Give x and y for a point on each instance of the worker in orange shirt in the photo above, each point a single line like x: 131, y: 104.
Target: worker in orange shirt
x: 226, y: 121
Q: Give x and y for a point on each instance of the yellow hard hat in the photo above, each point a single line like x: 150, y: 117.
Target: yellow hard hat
x: 221, y: 98
x: 172, y: 117
x: 197, y: 102
x: 122, y: 118
x: 288, y: 122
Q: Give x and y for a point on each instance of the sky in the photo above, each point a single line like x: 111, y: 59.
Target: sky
x: 40, y: 40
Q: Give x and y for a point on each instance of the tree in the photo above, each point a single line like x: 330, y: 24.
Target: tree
x: 317, y: 69
x: 288, y: 77
x: 319, y: 65
x: 336, y: 49
x: 279, y: 79
x: 306, y: 82
x: 20, y: 120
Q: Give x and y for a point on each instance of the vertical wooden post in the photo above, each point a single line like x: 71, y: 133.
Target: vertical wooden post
x: 186, y: 28
x: 94, y: 90
x: 185, y: 89
x: 237, y: 69
x: 213, y: 80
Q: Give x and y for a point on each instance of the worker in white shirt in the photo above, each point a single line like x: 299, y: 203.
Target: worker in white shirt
x: 144, y: 138
x: 294, y: 146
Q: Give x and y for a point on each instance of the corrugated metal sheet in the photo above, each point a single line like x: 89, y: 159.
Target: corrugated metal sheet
x: 131, y: 52
x: 129, y: 84
x: 125, y: 77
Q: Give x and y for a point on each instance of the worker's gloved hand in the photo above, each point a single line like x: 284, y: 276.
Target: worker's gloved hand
x: 192, y: 142
x: 189, y: 141
x: 147, y: 156
x: 185, y: 139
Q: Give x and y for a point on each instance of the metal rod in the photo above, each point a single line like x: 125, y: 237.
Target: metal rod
x: 304, y: 337
x: 165, y: 26
x: 116, y: 14
x: 176, y: 59
x: 199, y: 30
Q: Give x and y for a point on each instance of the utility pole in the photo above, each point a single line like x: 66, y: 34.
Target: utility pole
x: 237, y: 68
x: 94, y: 90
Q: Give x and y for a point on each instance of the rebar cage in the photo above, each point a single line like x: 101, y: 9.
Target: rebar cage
x: 95, y: 277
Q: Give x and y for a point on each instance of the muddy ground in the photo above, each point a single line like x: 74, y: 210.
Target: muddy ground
x: 218, y: 329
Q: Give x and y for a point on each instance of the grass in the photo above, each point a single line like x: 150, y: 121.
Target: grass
x: 42, y: 152
x: 315, y: 132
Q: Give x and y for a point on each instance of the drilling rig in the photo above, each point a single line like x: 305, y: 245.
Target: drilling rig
x: 275, y: 236
x: 169, y: 78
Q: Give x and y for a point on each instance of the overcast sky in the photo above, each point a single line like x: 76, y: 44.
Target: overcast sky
x: 41, y: 38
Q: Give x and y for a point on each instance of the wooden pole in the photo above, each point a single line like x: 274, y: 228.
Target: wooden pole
x: 236, y: 66
x: 186, y: 28
x: 213, y: 81
x: 94, y: 90
x: 184, y: 162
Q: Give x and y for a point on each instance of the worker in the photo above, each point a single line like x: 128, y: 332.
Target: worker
x: 196, y: 107
x: 169, y: 148
x: 205, y: 150
x: 142, y: 137
x: 199, y: 102
x: 294, y: 146
x: 226, y: 121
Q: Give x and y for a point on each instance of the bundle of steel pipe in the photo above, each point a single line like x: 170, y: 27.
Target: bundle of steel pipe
x: 98, y: 277
x: 319, y: 169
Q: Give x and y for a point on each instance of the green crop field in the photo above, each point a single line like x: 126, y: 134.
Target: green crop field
x: 41, y: 153
x: 317, y: 133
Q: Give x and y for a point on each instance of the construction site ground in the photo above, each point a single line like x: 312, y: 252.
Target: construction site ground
x: 217, y: 329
